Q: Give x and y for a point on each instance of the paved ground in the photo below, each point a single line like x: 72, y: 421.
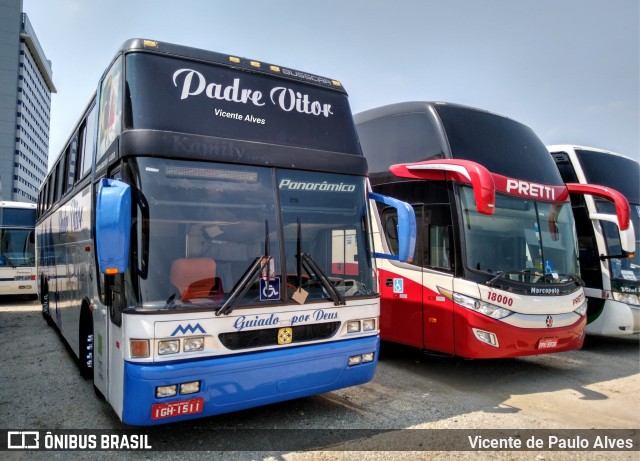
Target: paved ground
x: 594, y: 388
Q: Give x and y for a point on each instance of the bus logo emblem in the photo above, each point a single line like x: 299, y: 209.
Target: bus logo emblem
x: 549, y: 321
x: 188, y: 329
x: 285, y: 335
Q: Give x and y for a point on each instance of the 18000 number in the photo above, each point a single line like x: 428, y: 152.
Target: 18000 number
x: 501, y: 299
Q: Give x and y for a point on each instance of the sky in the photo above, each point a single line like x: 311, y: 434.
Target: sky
x: 569, y: 69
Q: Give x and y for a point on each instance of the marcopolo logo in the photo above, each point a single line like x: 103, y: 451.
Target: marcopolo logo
x: 544, y: 290
x: 188, y: 329
x: 287, y: 184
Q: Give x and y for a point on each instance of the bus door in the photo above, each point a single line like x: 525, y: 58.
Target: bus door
x: 435, y: 239
x: 113, y: 224
x: 400, y: 286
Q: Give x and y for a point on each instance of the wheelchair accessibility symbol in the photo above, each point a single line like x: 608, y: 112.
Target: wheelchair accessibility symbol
x: 398, y: 285
x: 270, y: 289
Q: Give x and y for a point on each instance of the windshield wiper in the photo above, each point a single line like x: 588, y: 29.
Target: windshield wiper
x: 244, y: 283
x: 8, y: 260
x: 530, y: 273
x: 571, y: 278
x: 503, y: 274
x: 171, y: 302
x: 311, y: 266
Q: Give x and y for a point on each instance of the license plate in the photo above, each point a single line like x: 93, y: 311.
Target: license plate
x: 547, y: 343
x: 183, y: 407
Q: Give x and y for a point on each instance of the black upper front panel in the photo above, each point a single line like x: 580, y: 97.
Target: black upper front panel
x: 417, y: 131
x: 620, y: 173
x: 179, y: 95
x: 500, y: 144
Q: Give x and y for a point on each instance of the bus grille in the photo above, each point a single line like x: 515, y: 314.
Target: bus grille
x: 262, y: 338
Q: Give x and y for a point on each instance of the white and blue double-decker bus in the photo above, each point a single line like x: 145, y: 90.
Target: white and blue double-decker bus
x: 204, y: 239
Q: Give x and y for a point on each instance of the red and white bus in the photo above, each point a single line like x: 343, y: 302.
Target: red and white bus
x: 495, y: 272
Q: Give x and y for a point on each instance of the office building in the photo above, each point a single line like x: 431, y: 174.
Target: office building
x: 25, y: 105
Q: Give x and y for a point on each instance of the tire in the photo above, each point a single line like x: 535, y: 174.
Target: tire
x: 45, y: 309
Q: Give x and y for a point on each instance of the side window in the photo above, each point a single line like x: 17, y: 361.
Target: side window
x: 88, y: 141
x: 50, y: 187
x: 39, y: 205
x: 110, y: 108
x: 437, y: 233
x: 389, y: 217
x: 82, y: 134
x: 70, y: 164
x: 55, y: 184
x: 45, y: 196
x: 62, y: 175
x: 344, y: 252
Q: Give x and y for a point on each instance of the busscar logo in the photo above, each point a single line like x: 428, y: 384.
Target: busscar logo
x: 188, y: 329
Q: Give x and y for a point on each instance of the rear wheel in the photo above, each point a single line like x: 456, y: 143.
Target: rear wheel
x: 45, y: 307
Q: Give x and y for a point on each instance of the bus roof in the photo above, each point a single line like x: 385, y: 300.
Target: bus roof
x: 410, y: 107
x: 231, y: 61
x: 560, y: 147
x: 598, y: 166
x: 417, y: 131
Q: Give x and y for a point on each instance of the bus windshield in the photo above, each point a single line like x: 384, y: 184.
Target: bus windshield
x: 622, y: 269
x: 201, y: 226
x: 525, y: 241
x: 18, y: 249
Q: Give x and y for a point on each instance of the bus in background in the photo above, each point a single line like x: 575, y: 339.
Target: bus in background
x: 204, y: 238
x: 610, y: 272
x: 17, y: 249
x: 496, y: 269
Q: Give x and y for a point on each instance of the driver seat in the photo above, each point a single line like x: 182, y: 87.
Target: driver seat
x: 195, y: 277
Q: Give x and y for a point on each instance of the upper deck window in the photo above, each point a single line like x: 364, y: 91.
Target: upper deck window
x: 613, y: 171
x: 500, y: 144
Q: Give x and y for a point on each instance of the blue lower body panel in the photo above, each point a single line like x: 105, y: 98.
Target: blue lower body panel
x: 243, y: 381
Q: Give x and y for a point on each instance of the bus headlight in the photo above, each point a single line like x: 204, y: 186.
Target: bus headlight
x: 482, y: 307
x: 353, y: 326
x: 582, y: 309
x: 190, y: 388
x: 166, y: 391
x: 368, y: 324
x: 368, y: 357
x: 171, y: 346
x: 193, y: 344
x: 627, y: 298
x: 486, y: 337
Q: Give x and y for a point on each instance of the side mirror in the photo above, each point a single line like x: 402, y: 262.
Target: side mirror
x: 621, y: 218
x: 406, y: 230
x: 627, y: 236
x: 113, y: 226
